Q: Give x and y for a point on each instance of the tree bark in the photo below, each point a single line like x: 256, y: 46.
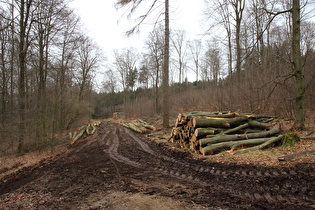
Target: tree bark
x: 218, y: 122
x: 298, y: 70
x: 233, y: 130
x: 201, y: 132
x: 166, y: 69
x: 239, y: 6
x: 199, y: 114
x: 256, y: 124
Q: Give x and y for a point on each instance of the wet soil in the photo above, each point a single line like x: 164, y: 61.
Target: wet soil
x: 119, y: 169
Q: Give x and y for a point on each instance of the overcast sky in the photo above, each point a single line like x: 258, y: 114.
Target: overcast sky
x: 105, y: 24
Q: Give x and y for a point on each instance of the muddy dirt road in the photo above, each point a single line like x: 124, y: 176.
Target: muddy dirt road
x: 119, y: 169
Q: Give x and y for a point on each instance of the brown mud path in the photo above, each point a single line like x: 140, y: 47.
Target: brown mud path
x: 119, y: 169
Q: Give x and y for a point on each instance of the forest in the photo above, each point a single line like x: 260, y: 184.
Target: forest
x: 261, y: 61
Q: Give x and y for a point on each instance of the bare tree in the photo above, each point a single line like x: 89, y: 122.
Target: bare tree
x: 25, y: 8
x: 110, y: 86
x: 195, y: 50
x: 238, y: 7
x: 89, y: 58
x: 155, y: 45
x: 46, y: 26
x: 4, y: 67
x: 125, y: 62
x: 134, y: 5
x: 38, y: 49
x: 294, y: 10
x: 214, y: 61
x: 178, y: 42
x: 67, y: 45
x: 144, y: 72
x: 221, y: 12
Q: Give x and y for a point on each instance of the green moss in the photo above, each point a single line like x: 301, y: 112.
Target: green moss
x: 290, y: 139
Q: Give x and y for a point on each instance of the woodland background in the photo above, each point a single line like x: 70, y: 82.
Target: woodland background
x: 49, y: 68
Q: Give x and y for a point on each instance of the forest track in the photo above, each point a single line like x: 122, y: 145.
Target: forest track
x: 117, y: 168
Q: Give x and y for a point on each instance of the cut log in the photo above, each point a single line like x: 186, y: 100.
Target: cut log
x: 211, y: 136
x: 237, y: 121
x: 200, y: 129
x: 251, y: 142
x: 78, y: 136
x: 140, y: 126
x: 87, y: 129
x: 204, y: 123
x: 93, y: 130
x: 218, y: 122
x: 211, y: 115
x: 215, y: 148
x: 133, y: 127
x: 252, y: 131
x: 256, y: 124
x: 261, y: 146
x: 201, y: 132
x: 233, y: 130
x: 225, y: 138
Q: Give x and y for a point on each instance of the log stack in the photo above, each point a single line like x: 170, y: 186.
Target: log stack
x: 89, y: 129
x: 139, y: 126
x: 209, y: 133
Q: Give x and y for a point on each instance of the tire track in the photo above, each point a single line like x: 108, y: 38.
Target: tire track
x: 264, y: 194
x: 206, y: 176
x: 112, y: 151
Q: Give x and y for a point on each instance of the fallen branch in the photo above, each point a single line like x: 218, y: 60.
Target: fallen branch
x: 307, y: 137
x: 292, y: 156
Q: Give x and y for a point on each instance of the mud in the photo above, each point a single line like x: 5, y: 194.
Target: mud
x: 119, y: 169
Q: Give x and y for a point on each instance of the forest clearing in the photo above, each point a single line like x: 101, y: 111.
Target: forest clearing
x: 85, y: 126
x: 119, y: 168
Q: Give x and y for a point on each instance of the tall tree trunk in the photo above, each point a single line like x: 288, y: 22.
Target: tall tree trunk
x: 62, y: 89
x: 230, y: 54
x: 12, y: 56
x: 238, y: 51
x: 166, y: 68
x: 298, y: 71
x: 4, y: 84
x: 21, y: 88
x: 41, y: 123
x: 157, y: 106
x: 239, y: 6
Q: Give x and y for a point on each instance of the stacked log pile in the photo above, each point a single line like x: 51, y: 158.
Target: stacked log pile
x: 209, y: 133
x: 139, y: 126
x: 89, y: 129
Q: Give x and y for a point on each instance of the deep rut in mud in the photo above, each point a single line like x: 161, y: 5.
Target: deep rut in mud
x: 118, y: 160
